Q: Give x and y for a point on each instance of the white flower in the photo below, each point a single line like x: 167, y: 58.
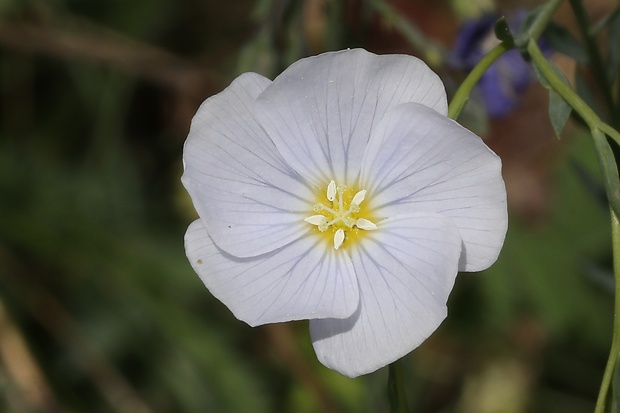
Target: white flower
x: 341, y: 193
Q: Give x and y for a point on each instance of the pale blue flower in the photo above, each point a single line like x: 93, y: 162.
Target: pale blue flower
x: 341, y: 193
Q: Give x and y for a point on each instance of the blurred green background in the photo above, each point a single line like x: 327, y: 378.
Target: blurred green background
x: 99, y: 309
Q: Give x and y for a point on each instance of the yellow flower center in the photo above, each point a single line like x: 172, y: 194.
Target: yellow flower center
x: 340, y: 216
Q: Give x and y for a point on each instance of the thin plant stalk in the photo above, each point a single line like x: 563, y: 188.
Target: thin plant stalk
x: 615, y: 342
x: 396, y: 388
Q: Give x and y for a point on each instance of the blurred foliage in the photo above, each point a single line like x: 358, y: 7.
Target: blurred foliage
x: 99, y: 309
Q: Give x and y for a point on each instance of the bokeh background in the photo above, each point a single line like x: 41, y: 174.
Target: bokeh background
x: 99, y: 309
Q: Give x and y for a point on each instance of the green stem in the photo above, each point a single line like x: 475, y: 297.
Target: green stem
x: 396, y: 388
x: 610, y: 169
x: 534, y: 32
x: 539, y: 25
x: 596, y: 62
x: 600, y: 132
x: 462, y: 94
x: 615, y: 342
x: 568, y: 94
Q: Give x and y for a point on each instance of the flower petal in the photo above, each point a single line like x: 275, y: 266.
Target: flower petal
x: 300, y: 281
x: 250, y: 199
x: 405, y: 271
x: 419, y: 160
x: 321, y: 110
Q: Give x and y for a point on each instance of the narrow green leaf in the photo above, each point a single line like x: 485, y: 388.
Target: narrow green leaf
x: 608, y: 164
x: 559, y: 109
x: 541, y: 78
x: 559, y: 112
x: 604, y: 22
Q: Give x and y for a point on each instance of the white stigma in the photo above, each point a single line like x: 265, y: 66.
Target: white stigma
x: 342, y: 217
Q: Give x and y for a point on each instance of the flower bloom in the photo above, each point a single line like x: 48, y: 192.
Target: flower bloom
x: 505, y: 81
x: 341, y: 193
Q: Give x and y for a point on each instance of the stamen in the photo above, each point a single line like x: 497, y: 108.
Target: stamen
x: 338, y: 238
x: 359, y: 197
x: 362, y: 223
x: 316, y: 219
x: 329, y: 210
x: 339, y: 214
x: 331, y: 191
x: 341, y: 189
x: 349, y: 222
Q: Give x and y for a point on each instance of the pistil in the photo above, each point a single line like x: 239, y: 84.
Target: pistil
x: 337, y: 215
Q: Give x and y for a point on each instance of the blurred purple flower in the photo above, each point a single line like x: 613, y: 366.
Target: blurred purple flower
x: 502, y: 85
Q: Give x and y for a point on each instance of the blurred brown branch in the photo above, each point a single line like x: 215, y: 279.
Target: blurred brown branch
x: 114, y: 387
x: 35, y: 393
x: 72, y: 38
x: 108, y: 47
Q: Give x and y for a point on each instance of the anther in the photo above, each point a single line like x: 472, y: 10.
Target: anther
x: 338, y: 214
x: 316, y: 219
x: 359, y: 197
x: 338, y: 238
x: 331, y: 191
x: 362, y: 223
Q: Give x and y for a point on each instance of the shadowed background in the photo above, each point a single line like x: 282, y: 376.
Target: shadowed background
x: 99, y: 309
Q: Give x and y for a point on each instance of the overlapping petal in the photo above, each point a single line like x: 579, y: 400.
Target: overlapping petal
x: 321, y: 110
x: 250, y: 199
x: 300, y: 281
x: 405, y: 271
x: 260, y: 152
x: 419, y: 160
